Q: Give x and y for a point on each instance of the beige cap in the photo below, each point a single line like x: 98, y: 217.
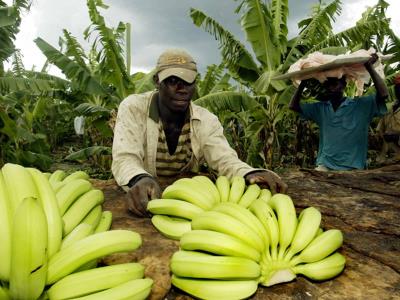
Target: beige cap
x: 176, y: 62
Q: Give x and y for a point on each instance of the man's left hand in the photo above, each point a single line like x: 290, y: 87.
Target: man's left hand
x: 373, y: 59
x: 269, y: 178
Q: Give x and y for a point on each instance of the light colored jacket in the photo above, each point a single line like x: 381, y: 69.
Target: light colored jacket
x: 136, y: 136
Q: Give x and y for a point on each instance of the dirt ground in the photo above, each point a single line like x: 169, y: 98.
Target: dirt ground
x: 364, y: 205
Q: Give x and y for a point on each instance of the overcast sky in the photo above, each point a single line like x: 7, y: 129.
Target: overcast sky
x: 161, y: 24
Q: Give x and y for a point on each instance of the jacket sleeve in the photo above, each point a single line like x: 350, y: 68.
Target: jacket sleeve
x: 128, y: 144
x: 218, y: 153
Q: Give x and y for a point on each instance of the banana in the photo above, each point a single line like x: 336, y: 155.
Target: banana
x: 105, y: 222
x: 5, y: 231
x: 287, y: 220
x: 48, y: 201
x: 265, y: 195
x: 4, y: 293
x: 216, y: 289
x: 199, y: 186
x: 201, y: 265
x: 223, y: 185
x: 79, y: 232
x: 19, y: 184
x: 29, y: 251
x: 326, y: 268
x: 220, y: 222
x: 76, y: 175
x: 94, y: 280
x: 71, y: 191
x: 92, y: 247
x: 137, y: 289
x: 244, y: 216
x: 209, y: 185
x: 173, y: 207
x: 94, y: 216
x: 80, y: 208
x: 238, y: 186
x: 266, y: 216
x: 171, y: 227
x: 307, y: 228
x: 251, y: 194
x: 217, y: 243
x: 187, y: 191
x: 56, y: 177
x: 320, y: 247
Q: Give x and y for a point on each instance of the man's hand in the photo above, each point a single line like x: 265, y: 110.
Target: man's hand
x: 269, y: 178
x: 140, y: 193
x: 370, y: 62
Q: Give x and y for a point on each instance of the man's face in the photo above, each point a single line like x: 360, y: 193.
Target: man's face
x: 333, y: 88
x: 176, y: 93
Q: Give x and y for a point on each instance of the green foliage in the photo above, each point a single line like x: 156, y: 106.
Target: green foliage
x: 267, y: 129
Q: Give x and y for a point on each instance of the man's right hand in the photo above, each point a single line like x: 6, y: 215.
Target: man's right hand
x: 140, y: 193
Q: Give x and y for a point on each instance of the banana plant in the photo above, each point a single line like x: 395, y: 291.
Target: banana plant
x: 265, y: 28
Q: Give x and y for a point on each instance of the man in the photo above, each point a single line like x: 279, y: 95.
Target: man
x: 162, y: 133
x: 343, y: 121
x: 389, y: 128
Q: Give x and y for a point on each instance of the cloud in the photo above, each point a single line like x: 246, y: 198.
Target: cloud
x: 160, y: 24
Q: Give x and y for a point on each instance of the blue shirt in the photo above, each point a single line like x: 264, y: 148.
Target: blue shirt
x: 343, y: 136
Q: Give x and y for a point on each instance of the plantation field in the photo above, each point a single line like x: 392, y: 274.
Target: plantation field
x: 363, y: 205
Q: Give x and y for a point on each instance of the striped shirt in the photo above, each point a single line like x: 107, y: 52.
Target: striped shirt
x: 173, y: 164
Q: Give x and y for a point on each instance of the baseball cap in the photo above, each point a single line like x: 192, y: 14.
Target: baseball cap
x: 176, y: 62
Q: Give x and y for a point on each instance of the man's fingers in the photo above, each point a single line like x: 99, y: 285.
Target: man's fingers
x: 155, y: 192
x: 132, y: 207
x: 137, y: 197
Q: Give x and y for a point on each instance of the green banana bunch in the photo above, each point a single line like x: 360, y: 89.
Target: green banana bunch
x: 4, y: 293
x: 245, y: 216
x: 320, y: 247
x: 223, y: 186
x: 173, y: 207
x: 189, y: 191
x: 91, y: 281
x: 171, y: 227
x: 267, y: 218
x: 70, y: 191
x: 210, y: 186
x: 307, y: 228
x: 251, y: 194
x: 216, y: 289
x: 94, y: 216
x: 5, y: 230
x: 323, y: 269
x: 187, y: 197
x: 236, y: 191
x: 32, y: 249
x: 19, y: 185
x: 286, y: 214
x: 76, y: 175
x: 28, y: 268
x: 250, y: 237
x: 105, y: 221
x: 136, y: 289
x: 224, y: 223
x: 217, y: 243
x: 89, y: 248
x: 201, y: 265
x: 48, y: 201
x: 79, y: 232
x: 80, y: 208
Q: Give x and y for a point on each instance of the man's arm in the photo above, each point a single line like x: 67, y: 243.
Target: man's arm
x: 222, y: 158
x: 380, y: 86
x: 295, y: 101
